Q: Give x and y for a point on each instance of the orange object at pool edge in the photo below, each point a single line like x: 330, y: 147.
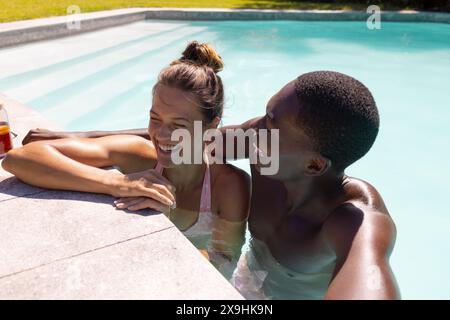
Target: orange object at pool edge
x: 5, y: 139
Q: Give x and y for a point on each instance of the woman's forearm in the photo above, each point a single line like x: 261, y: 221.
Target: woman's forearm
x: 44, y: 166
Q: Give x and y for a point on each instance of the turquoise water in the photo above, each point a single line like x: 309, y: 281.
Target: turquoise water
x: 103, y: 80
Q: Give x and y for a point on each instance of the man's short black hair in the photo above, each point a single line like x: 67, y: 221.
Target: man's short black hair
x: 339, y: 113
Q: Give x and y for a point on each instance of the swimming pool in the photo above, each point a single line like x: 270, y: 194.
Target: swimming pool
x: 102, y: 81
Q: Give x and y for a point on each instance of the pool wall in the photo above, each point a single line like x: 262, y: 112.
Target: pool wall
x: 21, y: 32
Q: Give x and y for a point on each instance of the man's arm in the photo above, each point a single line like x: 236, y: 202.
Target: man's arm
x: 363, y: 240
x: 249, y: 124
x: 44, y: 134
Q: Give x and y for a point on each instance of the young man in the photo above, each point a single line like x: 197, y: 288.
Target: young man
x: 316, y: 233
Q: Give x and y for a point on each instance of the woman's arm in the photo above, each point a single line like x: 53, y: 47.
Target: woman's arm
x: 74, y: 164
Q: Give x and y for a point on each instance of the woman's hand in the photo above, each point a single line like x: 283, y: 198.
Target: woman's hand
x: 145, y: 189
x: 139, y: 203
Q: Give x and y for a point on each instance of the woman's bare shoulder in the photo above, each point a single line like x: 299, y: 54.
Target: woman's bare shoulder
x: 231, y: 191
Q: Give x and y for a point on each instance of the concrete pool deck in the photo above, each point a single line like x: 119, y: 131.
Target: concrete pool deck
x: 75, y: 245
x: 21, y: 32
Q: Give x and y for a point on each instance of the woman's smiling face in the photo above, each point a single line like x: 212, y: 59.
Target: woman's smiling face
x: 171, y: 109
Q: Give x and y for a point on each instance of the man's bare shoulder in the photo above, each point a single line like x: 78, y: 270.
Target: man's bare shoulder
x: 361, y: 219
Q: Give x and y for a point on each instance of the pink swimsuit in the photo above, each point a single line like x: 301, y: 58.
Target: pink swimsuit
x: 204, y: 224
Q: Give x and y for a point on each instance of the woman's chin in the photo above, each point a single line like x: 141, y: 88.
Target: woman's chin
x: 164, y: 159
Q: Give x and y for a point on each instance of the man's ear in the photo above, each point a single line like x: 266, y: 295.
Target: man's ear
x: 317, y: 166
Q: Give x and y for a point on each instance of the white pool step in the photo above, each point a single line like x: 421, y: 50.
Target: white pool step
x: 79, y: 45
x: 40, y: 87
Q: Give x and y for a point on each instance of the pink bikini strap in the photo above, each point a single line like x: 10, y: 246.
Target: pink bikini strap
x: 159, y: 168
x: 205, y: 199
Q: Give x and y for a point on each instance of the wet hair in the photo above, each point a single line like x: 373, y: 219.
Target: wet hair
x: 196, y: 73
x: 339, y: 113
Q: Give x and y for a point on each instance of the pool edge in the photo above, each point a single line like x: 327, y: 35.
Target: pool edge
x: 27, y: 31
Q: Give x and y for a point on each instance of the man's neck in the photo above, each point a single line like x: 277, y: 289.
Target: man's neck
x: 311, y: 196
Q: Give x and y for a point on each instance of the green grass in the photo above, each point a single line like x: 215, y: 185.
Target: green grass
x: 11, y: 10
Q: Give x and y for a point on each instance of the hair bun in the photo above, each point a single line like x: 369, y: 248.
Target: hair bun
x: 203, y: 54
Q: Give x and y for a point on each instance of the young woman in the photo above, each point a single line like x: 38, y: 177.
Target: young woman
x: 212, y: 200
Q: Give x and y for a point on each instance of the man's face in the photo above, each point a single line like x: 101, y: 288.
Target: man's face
x: 296, y: 149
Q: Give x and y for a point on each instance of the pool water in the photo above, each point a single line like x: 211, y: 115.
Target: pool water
x: 103, y: 80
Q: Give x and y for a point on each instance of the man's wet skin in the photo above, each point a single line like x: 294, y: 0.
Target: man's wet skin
x: 310, y: 215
